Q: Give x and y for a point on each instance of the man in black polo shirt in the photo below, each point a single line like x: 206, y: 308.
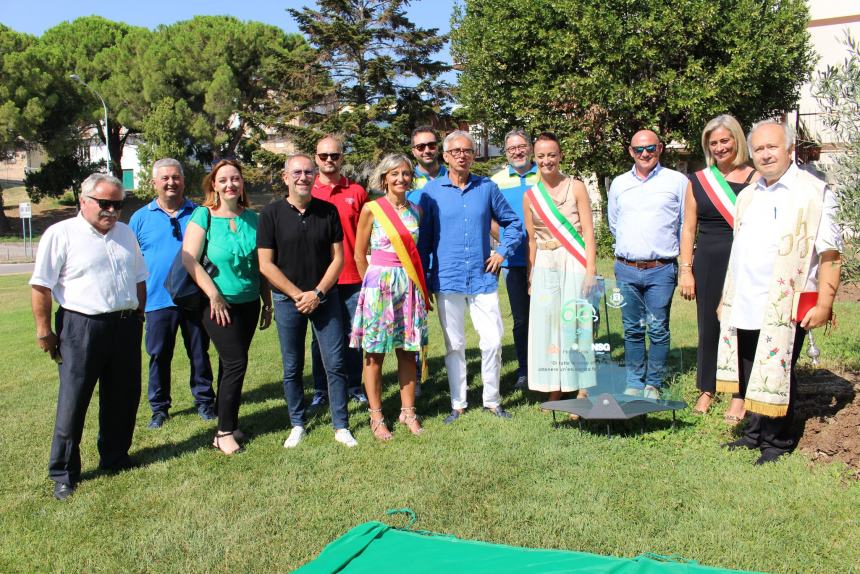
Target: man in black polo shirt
x: 300, y: 245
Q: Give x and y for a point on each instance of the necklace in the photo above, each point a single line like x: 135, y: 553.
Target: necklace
x: 170, y: 212
x: 395, y: 204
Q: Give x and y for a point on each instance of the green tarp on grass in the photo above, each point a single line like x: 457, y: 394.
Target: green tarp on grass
x: 376, y: 548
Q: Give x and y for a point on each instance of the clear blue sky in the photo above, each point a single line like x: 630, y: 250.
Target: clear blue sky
x: 36, y: 16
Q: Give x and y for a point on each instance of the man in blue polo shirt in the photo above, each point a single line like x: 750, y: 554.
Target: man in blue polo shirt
x: 454, y: 243
x: 160, y: 227
x: 514, y: 180
x: 646, y: 205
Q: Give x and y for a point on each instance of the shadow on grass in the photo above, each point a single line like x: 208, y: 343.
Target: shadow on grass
x: 637, y: 426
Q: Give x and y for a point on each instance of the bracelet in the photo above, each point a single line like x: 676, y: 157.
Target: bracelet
x: 685, y: 264
x: 267, y: 308
x: 43, y: 337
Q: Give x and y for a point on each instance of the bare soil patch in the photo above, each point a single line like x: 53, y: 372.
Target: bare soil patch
x: 828, y: 414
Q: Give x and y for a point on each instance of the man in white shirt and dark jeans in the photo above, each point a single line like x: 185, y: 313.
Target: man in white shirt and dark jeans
x: 92, y: 265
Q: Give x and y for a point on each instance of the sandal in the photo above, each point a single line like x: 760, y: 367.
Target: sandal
x: 410, y: 420
x: 377, y: 426
x: 217, y: 443
x: 711, y: 400
x: 733, y: 419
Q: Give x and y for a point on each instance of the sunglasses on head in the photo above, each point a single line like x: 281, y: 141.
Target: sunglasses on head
x: 638, y: 149
x: 326, y: 156
x: 104, y: 204
x: 422, y: 146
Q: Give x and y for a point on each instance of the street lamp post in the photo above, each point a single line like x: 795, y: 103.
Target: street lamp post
x: 77, y: 78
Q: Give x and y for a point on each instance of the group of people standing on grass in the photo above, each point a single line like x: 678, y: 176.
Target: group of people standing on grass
x: 365, y: 274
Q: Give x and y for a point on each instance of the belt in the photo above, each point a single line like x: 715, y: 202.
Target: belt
x: 548, y: 244
x: 123, y: 314
x: 645, y: 263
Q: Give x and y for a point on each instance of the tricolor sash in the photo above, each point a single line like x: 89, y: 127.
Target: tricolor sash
x: 402, y: 242
x: 719, y: 192
x: 562, y: 229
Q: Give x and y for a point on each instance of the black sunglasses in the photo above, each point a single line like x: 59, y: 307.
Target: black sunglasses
x: 638, y: 149
x: 177, y: 229
x: 326, y: 156
x: 423, y: 146
x: 104, y: 204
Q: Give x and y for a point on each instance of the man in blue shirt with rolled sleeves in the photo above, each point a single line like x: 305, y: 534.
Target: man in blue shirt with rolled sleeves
x: 455, y: 230
x: 160, y: 227
x: 645, y: 211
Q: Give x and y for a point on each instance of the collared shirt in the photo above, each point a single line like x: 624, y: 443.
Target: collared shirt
x: 514, y: 187
x: 348, y: 197
x: 455, y: 232
x: 301, y: 241
x: 420, y: 178
x: 645, y: 215
x: 87, y: 271
x: 159, y: 243
x: 757, y: 242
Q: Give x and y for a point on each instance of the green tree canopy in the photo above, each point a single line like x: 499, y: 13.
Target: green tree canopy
x: 838, y: 94
x: 594, y: 71
x: 387, y: 80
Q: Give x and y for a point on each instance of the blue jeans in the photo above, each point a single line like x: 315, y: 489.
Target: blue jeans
x: 327, y: 325
x: 352, y: 357
x: 517, y: 282
x: 161, y: 327
x: 648, y: 300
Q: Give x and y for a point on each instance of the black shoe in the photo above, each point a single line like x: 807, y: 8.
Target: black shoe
x: 769, y: 455
x: 499, y: 412
x: 742, y: 442
x: 522, y: 383
x: 207, y: 412
x: 62, y: 490
x: 157, y: 421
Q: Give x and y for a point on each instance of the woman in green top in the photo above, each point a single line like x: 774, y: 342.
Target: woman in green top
x: 226, y: 231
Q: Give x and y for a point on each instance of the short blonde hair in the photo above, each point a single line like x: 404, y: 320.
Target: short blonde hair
x: 389, y: 162
x: 731, y: 124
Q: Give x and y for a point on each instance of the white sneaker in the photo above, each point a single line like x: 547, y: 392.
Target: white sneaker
x: 651, y: 392
x: 296, y: 436
x: 343, y: 436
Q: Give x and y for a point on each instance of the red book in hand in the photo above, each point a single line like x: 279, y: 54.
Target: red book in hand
x: 803, y: 302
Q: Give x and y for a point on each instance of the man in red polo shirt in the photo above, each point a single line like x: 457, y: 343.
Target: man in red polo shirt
x: 348, y: 197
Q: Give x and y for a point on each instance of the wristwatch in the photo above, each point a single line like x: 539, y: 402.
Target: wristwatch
x: 319, y: 294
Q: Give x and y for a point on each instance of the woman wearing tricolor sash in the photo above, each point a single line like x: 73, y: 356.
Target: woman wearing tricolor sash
x: 391, y: 314
x: 709, y: 214
x: 561, y: 259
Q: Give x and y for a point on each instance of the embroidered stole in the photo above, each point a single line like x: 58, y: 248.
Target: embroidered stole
x: 558, y: 225
x: 768, y: 388
x: 719, y: 192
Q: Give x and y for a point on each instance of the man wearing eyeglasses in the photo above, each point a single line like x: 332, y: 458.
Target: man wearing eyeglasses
x: 454, y: 242
x: 300, y: 248
x: 160, y: 227
x: 427, y: 166
x: 91, y: 264
x: 514, y: 180
x: 645, y: 211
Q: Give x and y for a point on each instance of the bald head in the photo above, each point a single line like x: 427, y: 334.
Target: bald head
x: 645, y: 149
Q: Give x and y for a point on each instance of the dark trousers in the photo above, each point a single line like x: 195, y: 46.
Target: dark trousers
x: 103, y: 348
x: 352, y: 359
x: 161, y: 327
x: 232, y: 343
x: 768, y: 433
x: 517, y: 283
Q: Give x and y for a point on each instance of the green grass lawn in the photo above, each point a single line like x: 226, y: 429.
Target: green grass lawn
x: 520, y: 482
